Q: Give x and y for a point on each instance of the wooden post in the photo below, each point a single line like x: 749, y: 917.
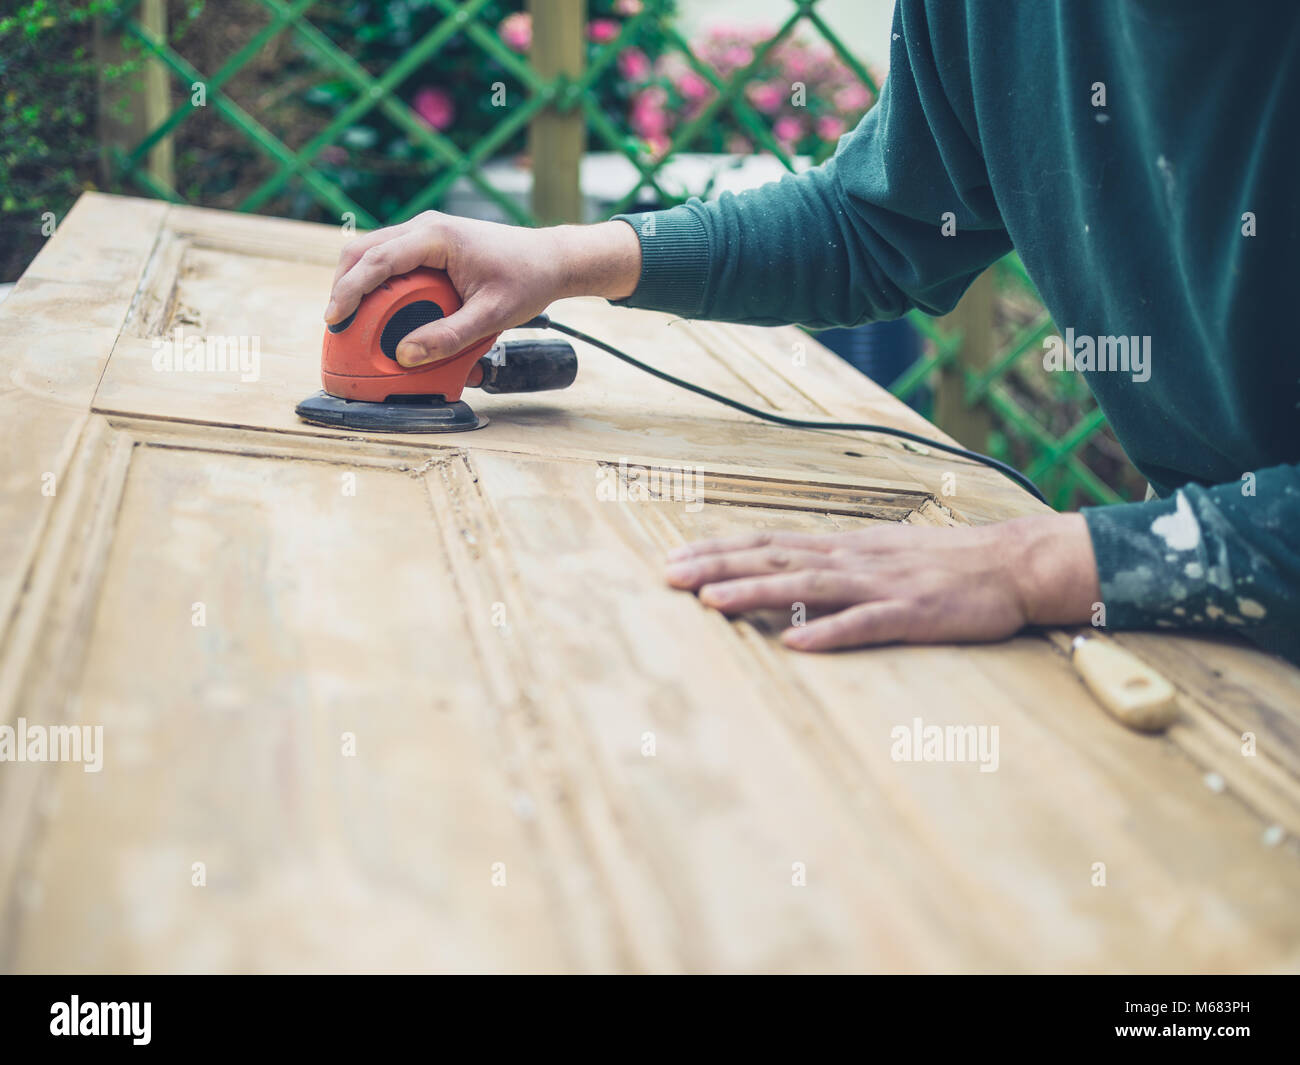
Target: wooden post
x: 131, y: 106
x: 973, y: 316
x: 556, y: 140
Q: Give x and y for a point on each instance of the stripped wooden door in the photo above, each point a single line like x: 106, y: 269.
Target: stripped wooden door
x: 425, y: 703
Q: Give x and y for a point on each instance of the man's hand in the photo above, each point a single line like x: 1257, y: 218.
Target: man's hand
x: 505, y: 274
x: 900, y: 583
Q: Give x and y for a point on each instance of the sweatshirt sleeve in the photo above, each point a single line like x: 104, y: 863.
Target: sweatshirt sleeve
x: 1224, y: 557
x: 901, y: 216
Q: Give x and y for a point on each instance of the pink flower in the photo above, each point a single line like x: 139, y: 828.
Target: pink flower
x: 517, y: 31
x: 853, y: 98
x: 739, y: 144
x: 794, y: 64
x: 767, y: 96
x: 830, y: 128
x: 649, y: 124
x: 823, y: 57
x: 435, y: 107
x: 737, y: 56
x: 602, y: 30
x: 693, y: 86
x: 628, y: 8
x: 649, y: 120
x: 787, y: 130
x: 728, y: 50
x: 634, y: 64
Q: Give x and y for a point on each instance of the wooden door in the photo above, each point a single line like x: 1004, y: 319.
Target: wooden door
x: 425, y: 703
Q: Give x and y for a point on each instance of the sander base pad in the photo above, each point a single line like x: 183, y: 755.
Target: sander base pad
x: 401, y: 414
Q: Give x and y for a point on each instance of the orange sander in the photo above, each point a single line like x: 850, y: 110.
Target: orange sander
x: 367, y: 389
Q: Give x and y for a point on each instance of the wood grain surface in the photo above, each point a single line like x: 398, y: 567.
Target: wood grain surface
x: 443, y: 714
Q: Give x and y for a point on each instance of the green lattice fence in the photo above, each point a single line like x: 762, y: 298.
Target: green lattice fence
x: 1046, y: 424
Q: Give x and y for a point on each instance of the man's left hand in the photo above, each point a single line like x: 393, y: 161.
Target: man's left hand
x: 901, y: 583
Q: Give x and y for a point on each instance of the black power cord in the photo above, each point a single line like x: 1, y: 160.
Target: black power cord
x: 542, y: 321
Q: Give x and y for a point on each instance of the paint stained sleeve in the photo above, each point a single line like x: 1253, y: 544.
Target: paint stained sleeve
x: 1225, y: 557
x: 901, y: 217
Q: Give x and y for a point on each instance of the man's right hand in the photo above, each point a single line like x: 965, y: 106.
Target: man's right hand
x: 505, y: 274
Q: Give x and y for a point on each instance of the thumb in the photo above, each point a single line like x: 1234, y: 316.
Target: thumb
x: 449, y: 336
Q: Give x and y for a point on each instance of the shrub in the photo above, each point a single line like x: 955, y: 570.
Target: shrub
x: 374, y: 160
x: 805, y: 93
x: 48, y: 150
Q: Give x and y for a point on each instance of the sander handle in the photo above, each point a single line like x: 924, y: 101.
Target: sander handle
x: 528, y: 366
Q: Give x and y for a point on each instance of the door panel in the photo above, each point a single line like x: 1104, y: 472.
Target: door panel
x: 425, y: 703
x: 204, y: 280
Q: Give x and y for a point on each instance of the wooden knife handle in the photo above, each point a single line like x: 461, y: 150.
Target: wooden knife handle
x: 1127, y: 687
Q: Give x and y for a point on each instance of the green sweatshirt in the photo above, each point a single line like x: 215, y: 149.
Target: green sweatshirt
x: 1141, y: 156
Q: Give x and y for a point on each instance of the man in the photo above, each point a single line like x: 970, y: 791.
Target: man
x: 1141, y: 157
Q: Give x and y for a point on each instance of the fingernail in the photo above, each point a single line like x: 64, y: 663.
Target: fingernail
x: 329, y: 311
x: 412, y: 355
x: 680, y: 572
x: 795, y: 638
x: 714, y: 596
x: 679, y: 552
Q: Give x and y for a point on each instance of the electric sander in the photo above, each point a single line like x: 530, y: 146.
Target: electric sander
x: 366, y: 387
